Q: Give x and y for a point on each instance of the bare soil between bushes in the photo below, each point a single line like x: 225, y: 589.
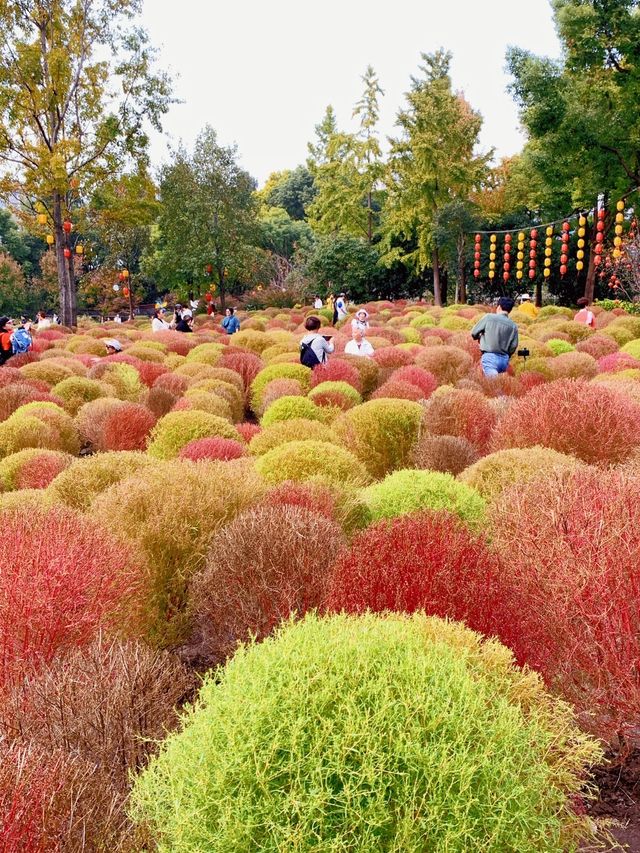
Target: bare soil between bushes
x: 619, y: 800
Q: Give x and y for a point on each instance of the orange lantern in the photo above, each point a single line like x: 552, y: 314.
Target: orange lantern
x: 67, y: 253
x: 67, y: 226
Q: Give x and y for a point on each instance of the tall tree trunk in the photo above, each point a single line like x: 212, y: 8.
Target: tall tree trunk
x: 461, y: 283
x: 590, y: 283
x: 538, y: 300
x: 65, y: 281
x: 369, y: 218
x: 437, y: 293
x: 222, y: 287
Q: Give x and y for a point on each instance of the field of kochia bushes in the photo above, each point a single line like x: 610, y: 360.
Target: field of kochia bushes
x: 388, y: 605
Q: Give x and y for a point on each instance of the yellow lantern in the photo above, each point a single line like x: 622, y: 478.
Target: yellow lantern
x: 547, y: 252
x: 582, y: 221
x: 619, y: 217
x: 125, y: 273
x: 492, y: 274
x: 579, y: 265
x: 581, y: 244
x: 50, y: 239
x: 492, y: 265
x: 617, y: 253
x: 580, y: 254
x: 519, y: 274
x: 549, y: 230
x: 620, y: 205
x: 581, y: 232
x: 79, y: 249
x: 617, y: 241
x: 521, y: 237
x: 520, y: 255
x: 547, y: 272
x: 619, y: 229
x: 42, y: 219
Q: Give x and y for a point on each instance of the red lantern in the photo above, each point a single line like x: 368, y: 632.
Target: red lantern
x: 209, y: 269
x: 532, y: 254
x: 565, y: 226
x: 505, y: 276
x: 125, y: 291
x: 507, y: 238
x: 564, y: 259
x: 599, y: 236
x: 476, y: 273
x: 601, y: 213
x: 532, y: 273
x: 599, y: 248
x: 533, y: 244
x: 532, y: 265
x: 67, y: 253
x: 507, y: 267
x: 208, y: 297
x: 478, y: 238
x: 121, y: 276
x: 563, y: 269
x: 534, y: 234
x: 597, y: 260
x: 66, y: 225
x: 476, y: 256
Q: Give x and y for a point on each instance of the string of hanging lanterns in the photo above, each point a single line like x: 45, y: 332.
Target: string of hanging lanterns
x: 549, y: 241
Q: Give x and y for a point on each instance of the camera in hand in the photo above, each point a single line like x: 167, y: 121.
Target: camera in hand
x: 524, y: 353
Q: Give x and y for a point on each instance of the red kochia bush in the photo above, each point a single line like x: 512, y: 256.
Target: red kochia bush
x: 247, y: 364
x: 173, y: 382
x: 149, y: 371
x: 62, y: 578
x: 337, y: 370
x: 270, y: 562
x: 16, y: 395
x: 392, y: 357
x: 570, y: 545
x: 127, y: 428
x: 425, y: 561
x: 213, y: 448
x: 616, y: 361
x: 248, y: 430
x: 38, y: 472
x: 397, y: 389
x: 311, y: 496
x: 466, y: 414
x: 424, y: 380
x: 596, y: 424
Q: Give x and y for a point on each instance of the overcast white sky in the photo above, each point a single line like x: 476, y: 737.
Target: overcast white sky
x: 261, y: 72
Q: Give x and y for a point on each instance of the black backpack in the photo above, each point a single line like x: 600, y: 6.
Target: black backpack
x: 308, y: 356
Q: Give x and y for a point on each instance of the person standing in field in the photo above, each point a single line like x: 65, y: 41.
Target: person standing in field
x: 230, y: 322
x: 315, y: 348
x: 584, y: 315
x: 498, y: 336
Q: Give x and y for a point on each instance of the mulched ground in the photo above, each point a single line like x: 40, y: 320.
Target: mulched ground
x: 619, y: 787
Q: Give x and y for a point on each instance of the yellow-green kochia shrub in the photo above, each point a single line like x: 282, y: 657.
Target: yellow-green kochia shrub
x: 287, y: 408
x: 277, y: 371
x: 381, y: 433
x: 411, y: 490
x: 87, y: 478
x: 493, y: 473
x: 170, y: 512
x: 370, y: 733
x: 338, y: 387
x: 75, y: 391
x: 206, y: 353
x: 303, y: 460
x: 176, y: 429
x: 13, y: 465
x: 296, y: 429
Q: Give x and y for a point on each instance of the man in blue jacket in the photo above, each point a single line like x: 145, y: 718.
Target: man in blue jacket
x: 498, y: 336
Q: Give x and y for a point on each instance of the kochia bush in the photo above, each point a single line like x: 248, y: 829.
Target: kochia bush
x: 303, y: 460
x: 316, y: 739
x: 57, y: 595
x: 176, y: 429
x: 592, y: 422
x: 381, y: 433
x: 411, y: 490
x: 288, y: 408
x: 466, y: 414
x: 269, y: 563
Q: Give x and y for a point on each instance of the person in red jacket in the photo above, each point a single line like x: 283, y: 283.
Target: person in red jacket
x: 6, y: 331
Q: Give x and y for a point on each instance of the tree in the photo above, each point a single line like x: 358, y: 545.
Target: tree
x: 208, y: 219
x: 76, y: 87
x: 118, y: 224
x: 345, y: 263
x: 13, y: 286
x: 432, y: 163
x: 281, y: 234
x: 347, y: 168
x: 368, y: 149
x: 453, y: 235
x: 292, y: 190
x: 581, y: 113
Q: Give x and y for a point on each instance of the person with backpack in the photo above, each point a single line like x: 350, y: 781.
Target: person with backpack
x: 21, y: 340
x: 315, y: 348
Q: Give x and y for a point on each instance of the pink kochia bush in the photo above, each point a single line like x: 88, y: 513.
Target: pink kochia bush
x: 66, y: 578
x: 596, y: 424
x: 337, y: 370
x: 570, y: 548
x: 426, y: 561
x: 127, y: 428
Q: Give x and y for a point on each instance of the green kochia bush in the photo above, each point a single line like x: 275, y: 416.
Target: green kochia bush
x: 288, y: 408
x: 411, y: 490
x: 369, y: 734
x: 175, y: 430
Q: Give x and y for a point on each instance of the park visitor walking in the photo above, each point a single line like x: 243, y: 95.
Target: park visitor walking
x: 498, y: 336
x: 315, y: 348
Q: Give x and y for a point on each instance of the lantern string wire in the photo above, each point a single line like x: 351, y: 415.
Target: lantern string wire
x: 576, y: 213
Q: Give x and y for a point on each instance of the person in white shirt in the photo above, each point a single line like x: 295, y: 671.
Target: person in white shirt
x: 361, y: 321
x: 320, y: 345
x: 42, y: 321
x: 341, y: 307
x: 359, y: 345
x: 317, y: 303
x: 158, y: 323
